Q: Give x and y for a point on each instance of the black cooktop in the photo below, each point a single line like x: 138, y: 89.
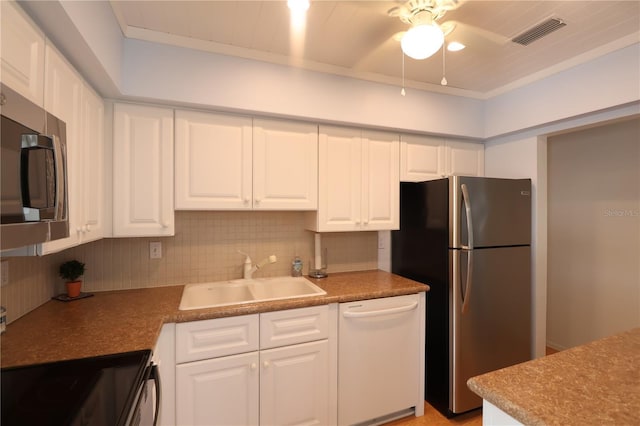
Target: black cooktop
x: 96, y: 391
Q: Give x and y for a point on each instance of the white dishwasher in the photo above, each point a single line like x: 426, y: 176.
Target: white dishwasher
x: 380, y: 359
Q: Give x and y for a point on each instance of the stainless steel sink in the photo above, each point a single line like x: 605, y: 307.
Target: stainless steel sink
x: 224, y: 293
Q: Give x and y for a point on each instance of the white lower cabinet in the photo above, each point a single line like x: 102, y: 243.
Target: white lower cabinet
x: 287, y: 384
x: 294, y: 385
x: 218, y: 391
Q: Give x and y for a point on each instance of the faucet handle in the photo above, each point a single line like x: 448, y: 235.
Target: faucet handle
x: 248, y: 258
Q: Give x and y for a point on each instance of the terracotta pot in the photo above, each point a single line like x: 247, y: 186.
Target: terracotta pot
x: 73, y: 288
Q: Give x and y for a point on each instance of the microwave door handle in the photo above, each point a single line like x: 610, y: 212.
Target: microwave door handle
x: 29, y: 143
x: 61, y: 181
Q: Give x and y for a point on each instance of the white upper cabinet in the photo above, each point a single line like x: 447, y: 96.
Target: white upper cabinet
x: 22, y: 53
x: 63, y: 98
x: 358, y: 181
x: 381, y: 181
x: 213, y: 161
x: 142, y: 171
x: 421, y: 158
x: 92, y: 220
x: 226, y: 162
x: 428, y: 157
x: 285, y: 165
x: 464, y: 158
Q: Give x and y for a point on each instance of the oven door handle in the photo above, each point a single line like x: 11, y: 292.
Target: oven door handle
x: 155, y: 376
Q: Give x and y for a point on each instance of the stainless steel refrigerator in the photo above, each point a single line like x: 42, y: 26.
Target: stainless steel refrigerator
x: 469, y: 239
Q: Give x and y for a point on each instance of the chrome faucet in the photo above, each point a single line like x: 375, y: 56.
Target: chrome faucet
x: 249, y: 268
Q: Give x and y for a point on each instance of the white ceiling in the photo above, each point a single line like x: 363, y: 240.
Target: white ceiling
x: 356, y: 38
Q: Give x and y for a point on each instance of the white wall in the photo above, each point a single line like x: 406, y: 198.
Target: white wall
x: 178, y: 75
x: 594, y: 233
x: 88, y: 35
x: 522, y: 158
x: 603, y: 83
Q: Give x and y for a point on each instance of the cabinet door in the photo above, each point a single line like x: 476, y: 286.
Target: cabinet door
x: 285, y: 165
x: 421, y: 158
x: 380, y: 181
x: 63, y: 98
x: 294, y: 384
x: 22, y: 53
x: 465, y: 158
x: 220, y: 391
x: 142, y: 171
x: 92, y: 226
x: 340, y: 179
x: 213, y: 161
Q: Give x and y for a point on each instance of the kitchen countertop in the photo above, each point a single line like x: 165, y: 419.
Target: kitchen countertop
x: 597, y: 383
x: 129, y: 320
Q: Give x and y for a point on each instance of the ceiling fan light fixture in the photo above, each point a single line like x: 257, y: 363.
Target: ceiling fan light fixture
x: 422, y: 41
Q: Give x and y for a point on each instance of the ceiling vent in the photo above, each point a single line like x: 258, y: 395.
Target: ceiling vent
x: 539, y: 31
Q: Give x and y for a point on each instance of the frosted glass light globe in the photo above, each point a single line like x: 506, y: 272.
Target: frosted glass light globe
x: 422, y: 41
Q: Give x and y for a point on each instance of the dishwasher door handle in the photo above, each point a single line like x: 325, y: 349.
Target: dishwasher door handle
x: 380, y: 312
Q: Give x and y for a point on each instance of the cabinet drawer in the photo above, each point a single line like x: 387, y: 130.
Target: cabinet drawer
x: 217, y: 337
x: 294, y: 326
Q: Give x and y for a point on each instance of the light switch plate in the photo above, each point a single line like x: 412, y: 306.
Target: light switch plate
x: 4, y: 276
x: 155, y: 250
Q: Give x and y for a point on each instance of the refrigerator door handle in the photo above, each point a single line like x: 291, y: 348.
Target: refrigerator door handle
x: 467, y: 206
x: 466, y: 297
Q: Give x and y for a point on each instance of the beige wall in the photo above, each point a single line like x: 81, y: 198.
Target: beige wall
x: 593, y: 233
x: 203, y: 249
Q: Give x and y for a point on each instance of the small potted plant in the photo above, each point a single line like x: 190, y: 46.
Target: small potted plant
x: 71, y: 271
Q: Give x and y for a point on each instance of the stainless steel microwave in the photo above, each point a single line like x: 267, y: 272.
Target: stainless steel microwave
x: 33, y: 202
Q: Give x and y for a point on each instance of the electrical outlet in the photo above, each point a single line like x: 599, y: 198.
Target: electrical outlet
x: 155, y: 250
x: 4, y: 276
x: 384, y: 239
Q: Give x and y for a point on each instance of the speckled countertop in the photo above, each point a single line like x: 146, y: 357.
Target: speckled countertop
x: 593, y: 384
x: 122, y: 321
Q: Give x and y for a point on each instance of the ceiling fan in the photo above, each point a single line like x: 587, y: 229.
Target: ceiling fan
x: 426, y: 35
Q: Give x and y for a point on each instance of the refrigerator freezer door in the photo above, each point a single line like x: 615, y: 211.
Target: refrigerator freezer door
x: 500, y: 209
x: 495, y: 329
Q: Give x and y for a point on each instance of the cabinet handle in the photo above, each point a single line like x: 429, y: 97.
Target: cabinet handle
x: 254, y: 365
x: 79, y: 230
x: 379, y: 312
x: 266, y: 364
x: 257, y: 200
x: 87, y: 228
x: 246, y: 201
x: 165, y: 225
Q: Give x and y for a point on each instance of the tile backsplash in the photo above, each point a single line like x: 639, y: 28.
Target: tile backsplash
x: 204, y: 248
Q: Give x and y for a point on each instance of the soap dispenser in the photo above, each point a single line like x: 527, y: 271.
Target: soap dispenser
x: 296, y: 267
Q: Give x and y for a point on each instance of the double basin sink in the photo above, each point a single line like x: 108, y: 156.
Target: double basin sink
x: 233, y: 292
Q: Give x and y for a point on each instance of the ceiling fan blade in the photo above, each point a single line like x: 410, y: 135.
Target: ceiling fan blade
x: 374, y: 55
x: 470, y: 35
x: 449, y: 4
